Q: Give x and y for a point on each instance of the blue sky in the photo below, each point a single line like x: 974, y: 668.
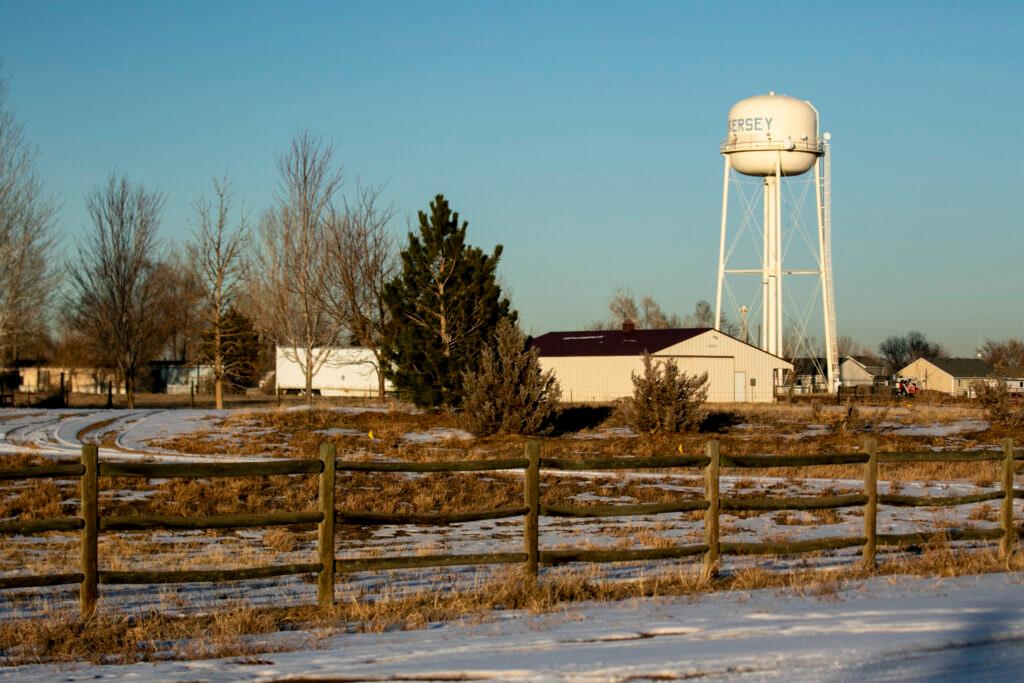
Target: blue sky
x: 581, y: 136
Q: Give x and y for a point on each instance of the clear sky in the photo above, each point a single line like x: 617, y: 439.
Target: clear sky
x: 581, y: 136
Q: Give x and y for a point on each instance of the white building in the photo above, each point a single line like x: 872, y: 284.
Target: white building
x: 344, y: 372
x: 597, y: 366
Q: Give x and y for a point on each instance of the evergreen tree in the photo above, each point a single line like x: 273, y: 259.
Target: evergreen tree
x: 510, y: 393
x: 444, y: 307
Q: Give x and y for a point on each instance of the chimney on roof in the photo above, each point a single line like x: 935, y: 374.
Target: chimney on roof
x: 628, y: 325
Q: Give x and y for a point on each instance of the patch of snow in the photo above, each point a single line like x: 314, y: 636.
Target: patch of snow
x: 940, y: 429
x: 436, y: 434
x: 339, y: 431
x: 607, y: 433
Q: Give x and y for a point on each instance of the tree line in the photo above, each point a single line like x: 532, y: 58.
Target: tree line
x: 318, y: 268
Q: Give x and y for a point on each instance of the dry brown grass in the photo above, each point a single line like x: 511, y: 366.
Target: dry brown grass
x: 118, y: 638
x: 145, y: 636
x: 782, y: 430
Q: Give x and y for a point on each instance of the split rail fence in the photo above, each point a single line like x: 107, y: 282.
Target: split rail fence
x: 90, y: 522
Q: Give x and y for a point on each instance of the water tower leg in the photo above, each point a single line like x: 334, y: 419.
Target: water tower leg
x: 778, y: 257
x: 825, y: 269
x: 721, y: 247
x: 771, y: 266
x: 766, y: 311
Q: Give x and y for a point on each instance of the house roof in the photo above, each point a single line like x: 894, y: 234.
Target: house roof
x: 963, y: 367
x: 612, y: 342
x: 870, y: 364
x: 810, y: 366
x: 1013, y: 372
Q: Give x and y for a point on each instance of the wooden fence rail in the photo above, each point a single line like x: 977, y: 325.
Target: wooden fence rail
x: 710, y: 502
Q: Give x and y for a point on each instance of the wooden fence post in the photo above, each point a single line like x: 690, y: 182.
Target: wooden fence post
x: 89, y: 493
x: 711, y: 535
x: 325, y: 581
x: 871, y: 506
x: 1006, y: 545
x: 531, y: 495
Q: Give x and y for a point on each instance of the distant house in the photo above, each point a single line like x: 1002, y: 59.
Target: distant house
x: 41, y: 377
x: 810, y: 375
x: 1014, y: 378
x: 857, y: 371
x: 952, y: 376
x: 345, y: 372
x: 597, y: 366
x: 179, y: 377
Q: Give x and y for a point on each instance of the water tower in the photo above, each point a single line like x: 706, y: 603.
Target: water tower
x: 775, y: 137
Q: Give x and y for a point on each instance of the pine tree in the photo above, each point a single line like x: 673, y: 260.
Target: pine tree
x: 665, y: 400
x: 444, y: 307
x: 510, y: 393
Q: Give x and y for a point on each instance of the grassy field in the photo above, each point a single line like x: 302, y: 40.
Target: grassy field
x: 48, y: 631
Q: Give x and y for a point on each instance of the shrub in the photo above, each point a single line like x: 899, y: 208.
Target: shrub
x: 508, y: 393
x: 995, y: 398
x: 666, y: 400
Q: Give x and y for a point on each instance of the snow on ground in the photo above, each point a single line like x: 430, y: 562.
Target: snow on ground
x: 937, y: 630
x: 54, y: 433
x: 436, y: 434
x: 882, y: 629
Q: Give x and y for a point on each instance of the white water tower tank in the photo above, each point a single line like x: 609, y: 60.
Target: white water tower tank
x: 768, y: 129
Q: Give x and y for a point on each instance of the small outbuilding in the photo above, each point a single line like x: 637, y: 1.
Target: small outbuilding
x: 953, y: 376
x: 860, y: 371
x: 598, y: 365
x: 1014, y: 378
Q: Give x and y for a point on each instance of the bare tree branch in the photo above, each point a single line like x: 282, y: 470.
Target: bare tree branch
x: 117, y: 294
x: 27, y: 240
x: 292, y: 277
x: 219, y: 254
x: 363, y: 259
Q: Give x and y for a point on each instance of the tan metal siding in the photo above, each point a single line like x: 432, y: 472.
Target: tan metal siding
x: 928, y: 376
x: 594, y: 378
x: 607, y: 378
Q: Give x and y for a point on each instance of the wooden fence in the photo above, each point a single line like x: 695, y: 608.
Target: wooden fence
x: 90, y: 522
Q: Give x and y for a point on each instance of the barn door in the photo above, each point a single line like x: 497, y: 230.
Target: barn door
x: 740, y: 391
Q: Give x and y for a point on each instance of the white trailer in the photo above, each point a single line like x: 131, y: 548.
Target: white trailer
x: 344, y: 372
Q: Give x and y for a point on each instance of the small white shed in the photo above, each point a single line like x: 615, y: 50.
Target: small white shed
x: 598, y: 366
x: 344, y: 372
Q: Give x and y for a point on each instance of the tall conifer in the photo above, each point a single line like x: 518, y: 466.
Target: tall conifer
x: 444, y: 307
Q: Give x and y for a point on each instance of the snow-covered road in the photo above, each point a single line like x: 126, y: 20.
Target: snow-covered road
x: 56, y: 433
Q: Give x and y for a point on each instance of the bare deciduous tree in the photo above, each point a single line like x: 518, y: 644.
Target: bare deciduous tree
x: 27, y: 276
x: 848, y: 346
x: 646, y: 314
x: 293, y: 274
x: 116, y: 296
x: 181, y: 317
x: 1004, y: 356
x: 363, y: 260
x: 899, y: 351
x: 219, y: 256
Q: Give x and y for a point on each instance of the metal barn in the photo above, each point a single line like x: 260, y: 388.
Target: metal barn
x: 597, y: 366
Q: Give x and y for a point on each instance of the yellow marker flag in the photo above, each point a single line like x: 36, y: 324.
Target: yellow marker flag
x: 680, y: 449
x: 371, y: 435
